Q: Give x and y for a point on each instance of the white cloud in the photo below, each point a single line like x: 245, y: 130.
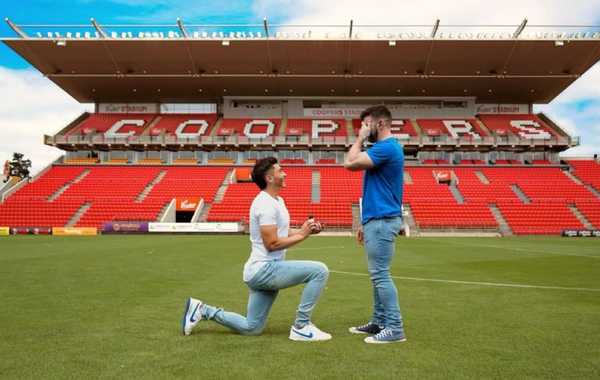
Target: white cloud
x: 398, y: 12
x: 32, y: 106
x: 567, y: 111
x: 586, y: 87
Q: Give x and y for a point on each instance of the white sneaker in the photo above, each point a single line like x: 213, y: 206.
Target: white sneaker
x: 309, y: 333
x: 191, y: 315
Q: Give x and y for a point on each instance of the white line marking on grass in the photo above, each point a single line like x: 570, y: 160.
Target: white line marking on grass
x: 518, y: 249
x: 495, y: 284
x: 318, y: 248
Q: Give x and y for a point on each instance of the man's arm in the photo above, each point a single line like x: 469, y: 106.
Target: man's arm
x: 274, y: 243
x: 315, y: 227
x: 356, y: 159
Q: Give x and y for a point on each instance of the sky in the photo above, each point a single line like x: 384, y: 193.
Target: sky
x: 31, y: 105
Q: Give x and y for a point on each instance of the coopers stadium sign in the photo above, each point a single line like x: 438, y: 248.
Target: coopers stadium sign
x: 333, y: 112
x: 260, y: 129
x: 192, y: 128
x: 264, y: 128
x: 196, y: 127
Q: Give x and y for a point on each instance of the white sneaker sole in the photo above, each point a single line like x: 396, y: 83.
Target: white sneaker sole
x: 297, y: 338
x: 373, y: 341
x: 354, y: 330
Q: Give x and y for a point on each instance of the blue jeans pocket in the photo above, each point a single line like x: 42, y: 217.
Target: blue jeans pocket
x: 391, y: 228
x: 396, y: 226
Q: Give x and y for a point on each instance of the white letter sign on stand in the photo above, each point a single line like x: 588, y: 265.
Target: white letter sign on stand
x: 323, y: 126
x: 529, y: 129
x: 113, y: 132
x: 179, y: 132
x: 254, y: 123
x: 458, y: 127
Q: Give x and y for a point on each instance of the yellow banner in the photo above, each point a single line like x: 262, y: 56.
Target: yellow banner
x: 4, y: 231
x: 74, y: 231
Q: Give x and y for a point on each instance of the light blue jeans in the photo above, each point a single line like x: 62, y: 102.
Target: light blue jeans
x: 379, y: 237
x: 265, y: 286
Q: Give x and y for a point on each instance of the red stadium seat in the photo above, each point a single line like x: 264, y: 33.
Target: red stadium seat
x: 398, y: 127
x: 525, y: 126
x: 193, y: 123
x: 112, y: 192
x: 588, y: 171
x: 102, y: 123
x: 258, y: 127
x: 321, y: 127
x: 463, y: 128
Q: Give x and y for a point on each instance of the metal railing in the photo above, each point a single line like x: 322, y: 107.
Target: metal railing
x: 236, y: 140
x: 263, y: 30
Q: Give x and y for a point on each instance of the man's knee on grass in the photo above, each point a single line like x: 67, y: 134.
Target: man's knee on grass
x: 254, y: 329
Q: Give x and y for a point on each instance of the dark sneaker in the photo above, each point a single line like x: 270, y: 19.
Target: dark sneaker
x: 386, y: 336
x: 369, y: 328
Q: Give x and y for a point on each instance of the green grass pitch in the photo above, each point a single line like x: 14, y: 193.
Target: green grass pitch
x: 110, y: 307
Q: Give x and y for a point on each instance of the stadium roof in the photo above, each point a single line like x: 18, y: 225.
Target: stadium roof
x: 205, y: 69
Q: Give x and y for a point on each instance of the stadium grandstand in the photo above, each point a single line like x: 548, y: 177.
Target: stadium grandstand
x: 181, y: 117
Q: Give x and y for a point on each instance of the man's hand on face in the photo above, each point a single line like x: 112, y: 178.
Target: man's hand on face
x: 364, y: 132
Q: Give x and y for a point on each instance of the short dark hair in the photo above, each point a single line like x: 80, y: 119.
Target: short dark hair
x: 261, y: 168
x: 376, y: 112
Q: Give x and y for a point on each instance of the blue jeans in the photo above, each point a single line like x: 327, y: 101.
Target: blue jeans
x: 265, y: 286
x: 379, y: 237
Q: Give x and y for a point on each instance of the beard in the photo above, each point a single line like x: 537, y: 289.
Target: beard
x: 372, y: 138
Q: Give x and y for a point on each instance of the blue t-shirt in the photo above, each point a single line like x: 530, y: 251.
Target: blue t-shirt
x: 382, y: 185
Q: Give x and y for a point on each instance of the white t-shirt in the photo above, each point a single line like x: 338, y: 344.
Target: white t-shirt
x: 265, y: 210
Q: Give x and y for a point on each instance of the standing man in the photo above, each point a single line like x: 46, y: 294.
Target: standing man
x: 381, y: 219
x: 266, y: 271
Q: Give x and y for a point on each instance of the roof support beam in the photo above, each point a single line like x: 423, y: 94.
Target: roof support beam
x: 103, y: 35
x: 16, y: 29
x: 266, y: 27
x: 347, y: 70
x: 270, y: 60
x: 435, y: 28
x: 433, y: 33
x: 515, y: 36
x: 182, y: 28
x: 519, y: 30
x: 98, y: 28
x: 194, y: 70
